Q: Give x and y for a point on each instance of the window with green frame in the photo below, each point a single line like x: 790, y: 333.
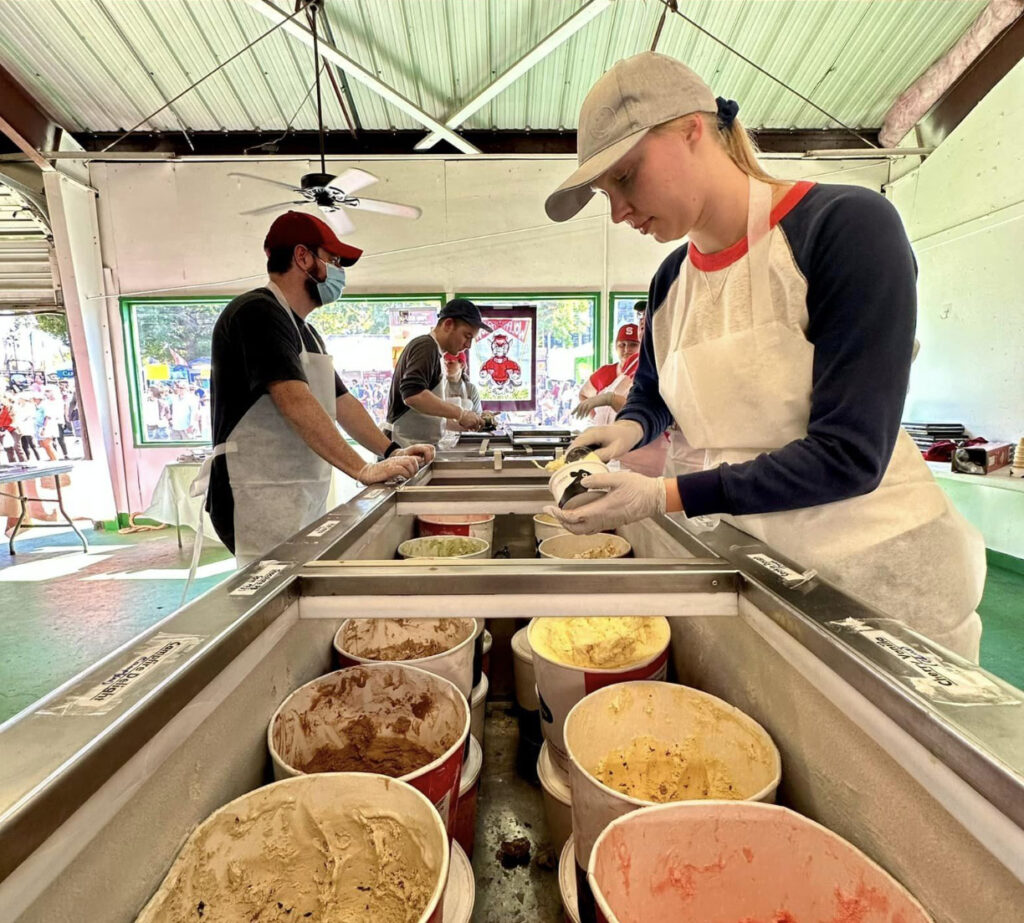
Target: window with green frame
x: 623, y: 312
x: 568, y: 346
x: 167, y: 345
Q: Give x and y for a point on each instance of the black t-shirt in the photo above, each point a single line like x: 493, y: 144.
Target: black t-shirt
x: 254, y: 343
x: 418, y: 369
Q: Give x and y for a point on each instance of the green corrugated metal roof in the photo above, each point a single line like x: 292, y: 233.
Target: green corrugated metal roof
x: 102, y: 65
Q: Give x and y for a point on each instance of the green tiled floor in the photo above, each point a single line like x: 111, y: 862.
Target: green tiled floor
x: 61, y: 610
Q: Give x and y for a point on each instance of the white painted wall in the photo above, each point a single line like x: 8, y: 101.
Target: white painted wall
x: 964, y: 210
x: 169, y: 228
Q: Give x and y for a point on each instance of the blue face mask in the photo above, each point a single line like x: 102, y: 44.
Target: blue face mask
x: 331, y: 288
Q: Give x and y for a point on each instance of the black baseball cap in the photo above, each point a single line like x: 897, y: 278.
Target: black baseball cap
x: 464, y: 309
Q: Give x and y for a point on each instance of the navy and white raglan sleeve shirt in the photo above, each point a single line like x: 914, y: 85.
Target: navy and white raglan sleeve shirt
x: 861, y: 304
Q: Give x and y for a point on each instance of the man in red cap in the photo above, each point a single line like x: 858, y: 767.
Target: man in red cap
x: 276, y: 399
x: 604, y: 395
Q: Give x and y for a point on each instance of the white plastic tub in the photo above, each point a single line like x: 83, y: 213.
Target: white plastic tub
x: 554, y: 783
x: 469, y: 788
x: 478, y: 710
x: 460, y: 892
x: 567, y: 883
x: 546, y: 526
x: 716, y: 860
x: 370, y: 640
x: 522, y: 665
x: 615, y: 717
x: 477, y: 525
x: 583, y: 547
x: 231, y: 846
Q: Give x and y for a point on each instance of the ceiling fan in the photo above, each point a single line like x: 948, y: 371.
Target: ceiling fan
x: 331, y: 194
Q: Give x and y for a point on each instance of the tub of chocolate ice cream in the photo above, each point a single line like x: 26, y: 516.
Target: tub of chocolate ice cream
x: 341, y: 846
x: 640, y: 743
x: 444, y: 647
x: 391, y: 719
x: 738, y: 861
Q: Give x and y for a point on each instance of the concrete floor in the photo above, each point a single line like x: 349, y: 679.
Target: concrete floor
x: 509, y: 806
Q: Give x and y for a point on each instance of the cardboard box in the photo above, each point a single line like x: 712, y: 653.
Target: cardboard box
x: 983, y: 458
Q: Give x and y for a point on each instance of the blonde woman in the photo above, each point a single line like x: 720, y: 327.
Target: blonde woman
x: 779, y: 340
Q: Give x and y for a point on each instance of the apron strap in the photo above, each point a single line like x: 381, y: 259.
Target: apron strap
x: 200, y: 486
x: 759, y: 211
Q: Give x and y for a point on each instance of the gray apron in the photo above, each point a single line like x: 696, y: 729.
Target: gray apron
x: 279, y: 483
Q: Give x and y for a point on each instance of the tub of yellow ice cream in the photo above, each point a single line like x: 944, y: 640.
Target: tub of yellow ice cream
x: 641, y: 743
x: 574, y: 656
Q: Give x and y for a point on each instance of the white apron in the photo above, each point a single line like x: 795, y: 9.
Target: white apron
x: 902, y: 548
x: 457, y: 394
x: 413, y: 427
x: 682, y: 457
x: 649, y: 459
x: 279, y: 483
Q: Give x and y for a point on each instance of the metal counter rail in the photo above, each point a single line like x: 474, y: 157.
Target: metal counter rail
x: 981, y: 743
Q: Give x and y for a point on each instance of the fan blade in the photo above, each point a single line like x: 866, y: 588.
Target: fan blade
x: 338, y: 220
x: 352, y: 180
x: 263, y: 179
x: 387, y: 208
x: 270, y: 208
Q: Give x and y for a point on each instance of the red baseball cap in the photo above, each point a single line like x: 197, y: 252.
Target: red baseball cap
x: 628, y: 332
x: 294, y: 228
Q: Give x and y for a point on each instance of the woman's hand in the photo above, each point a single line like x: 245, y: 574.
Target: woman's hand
x: 630, y: 497
x: 585, y: 407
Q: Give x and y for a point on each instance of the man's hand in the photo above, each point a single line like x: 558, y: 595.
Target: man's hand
x: 630, y: 498
x: 587, y: 405
x: 612, y: 441
x: 404, y: 466
x: 421, y: 450
x: 469, y: 420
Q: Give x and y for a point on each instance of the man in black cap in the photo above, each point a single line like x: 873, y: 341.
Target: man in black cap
x: 417, y: 409
x: 276, y: 399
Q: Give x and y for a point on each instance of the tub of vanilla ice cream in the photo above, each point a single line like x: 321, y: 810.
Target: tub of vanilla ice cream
x: 345, y: 846
x: 641, y: 743
x: 738, y: 861
x: 574, y: 656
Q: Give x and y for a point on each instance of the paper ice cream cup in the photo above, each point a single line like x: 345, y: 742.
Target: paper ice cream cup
x: 372, y: 640
x: 561, y: 685
x: 572, y: 547
x: 613, y: 718
x: 346, y: 710
x: 566, y: 483
x: 477, y: 525
x: 388, y: 836
x: 728, y: 860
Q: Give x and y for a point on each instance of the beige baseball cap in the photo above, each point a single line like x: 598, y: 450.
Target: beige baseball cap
x: 630, y: 99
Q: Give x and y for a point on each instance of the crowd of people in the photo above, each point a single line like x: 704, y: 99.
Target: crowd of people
x: 555, y: 400
x: 176, y: 412
x: 38, y: 420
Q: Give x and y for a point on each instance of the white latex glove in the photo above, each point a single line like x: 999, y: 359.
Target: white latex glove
x: 587, y: 405
x: 612, y: 441
x: 469, y: 420
x: 421, y: 450
x: 630, y: 498
x: 398, y: 466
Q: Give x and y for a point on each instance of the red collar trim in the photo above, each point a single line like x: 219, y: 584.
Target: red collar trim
x: 712, y: 262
